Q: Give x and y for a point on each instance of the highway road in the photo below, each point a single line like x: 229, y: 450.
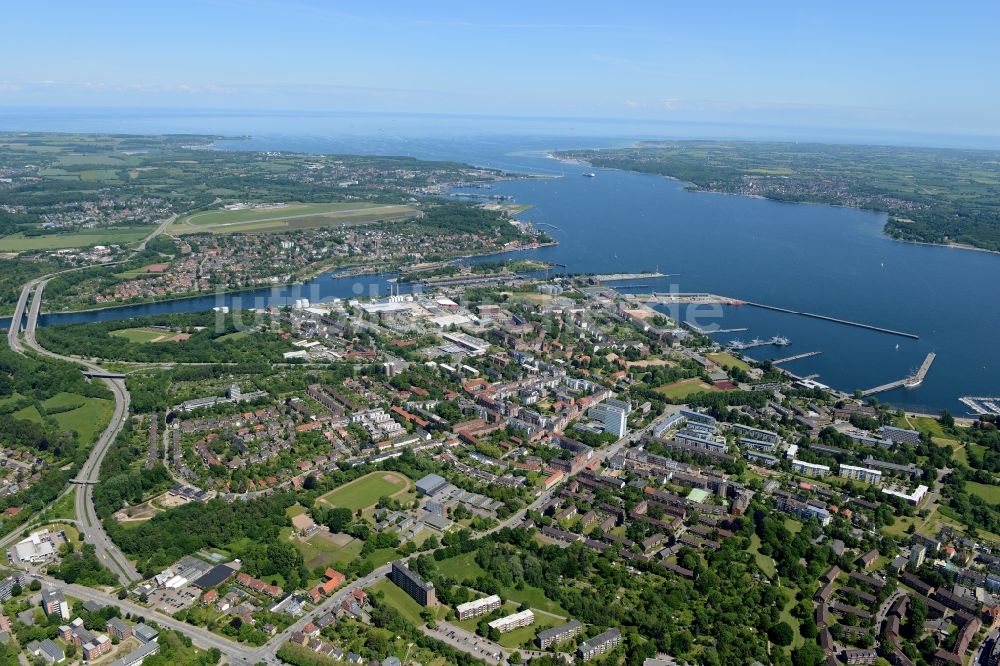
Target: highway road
x: 86, y: 517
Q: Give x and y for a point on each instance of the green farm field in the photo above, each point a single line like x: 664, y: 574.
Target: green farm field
x: 290, y: 216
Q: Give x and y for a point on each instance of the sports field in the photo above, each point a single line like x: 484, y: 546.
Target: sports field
x: 365, y: 491
x: 288, y: 216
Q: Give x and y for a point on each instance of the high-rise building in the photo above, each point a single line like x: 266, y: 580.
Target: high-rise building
x: 613, y: 415
x: 415, y: 586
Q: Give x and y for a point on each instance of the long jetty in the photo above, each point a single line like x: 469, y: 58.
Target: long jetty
x: 789, y: 359
x: 695, y: 298
x: 910, y: 381
x: 617, y: 277
x: 835, y: 320
x: 705, y: 331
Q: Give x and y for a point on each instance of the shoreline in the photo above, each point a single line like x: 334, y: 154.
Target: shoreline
x: 694, y: 187
x: 318, y: 274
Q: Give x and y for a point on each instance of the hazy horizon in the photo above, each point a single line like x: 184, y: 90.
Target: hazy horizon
x: 855, y: 67
x: 403, y: 125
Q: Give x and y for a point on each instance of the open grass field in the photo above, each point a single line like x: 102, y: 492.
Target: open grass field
x: 786, y: 616
x: 533, y: 597
x: 145, y: 335
x: 64, y: 507
x: 365, y: 491
x: 928, y: 425
x: 684, y: 388
x: 793, y: 525
x: 151, y: 269
x: 401, y: 601
x: 462, y: 567
x: 989, y: 493
x: 765, y: 563
x: 289, y: 216
x: 88, y: 420
x: 727, y: 360
x: 326, y: 550
x: 86, y: 238
x: 29, y: 413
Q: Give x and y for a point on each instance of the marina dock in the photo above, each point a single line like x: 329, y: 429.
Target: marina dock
x: 910, y: 381
x: 789, y: 359
x: 982, y: 404
x: 777, y: 341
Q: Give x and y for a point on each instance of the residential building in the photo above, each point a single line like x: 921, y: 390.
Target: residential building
x: 138, y: 655
x: 422, y: 592
x: 483, y: 606
x: 599, y: 644
x: 560, y: 634
x: 865, y: 656
x: 100, y: 645
x: 117, y: 628
x: 613, y: 417
x: 54, y: 602
x: 145, y: 633
x: 809, y: 469
x: 47, y: 650
x: 514, y: 621
x: 861, y: 474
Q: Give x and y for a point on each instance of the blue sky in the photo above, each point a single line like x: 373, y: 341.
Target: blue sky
x: 914, y: 66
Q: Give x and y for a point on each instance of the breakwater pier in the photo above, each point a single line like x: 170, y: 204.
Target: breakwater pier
x: 910, y: 381
x: 836, y: 320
